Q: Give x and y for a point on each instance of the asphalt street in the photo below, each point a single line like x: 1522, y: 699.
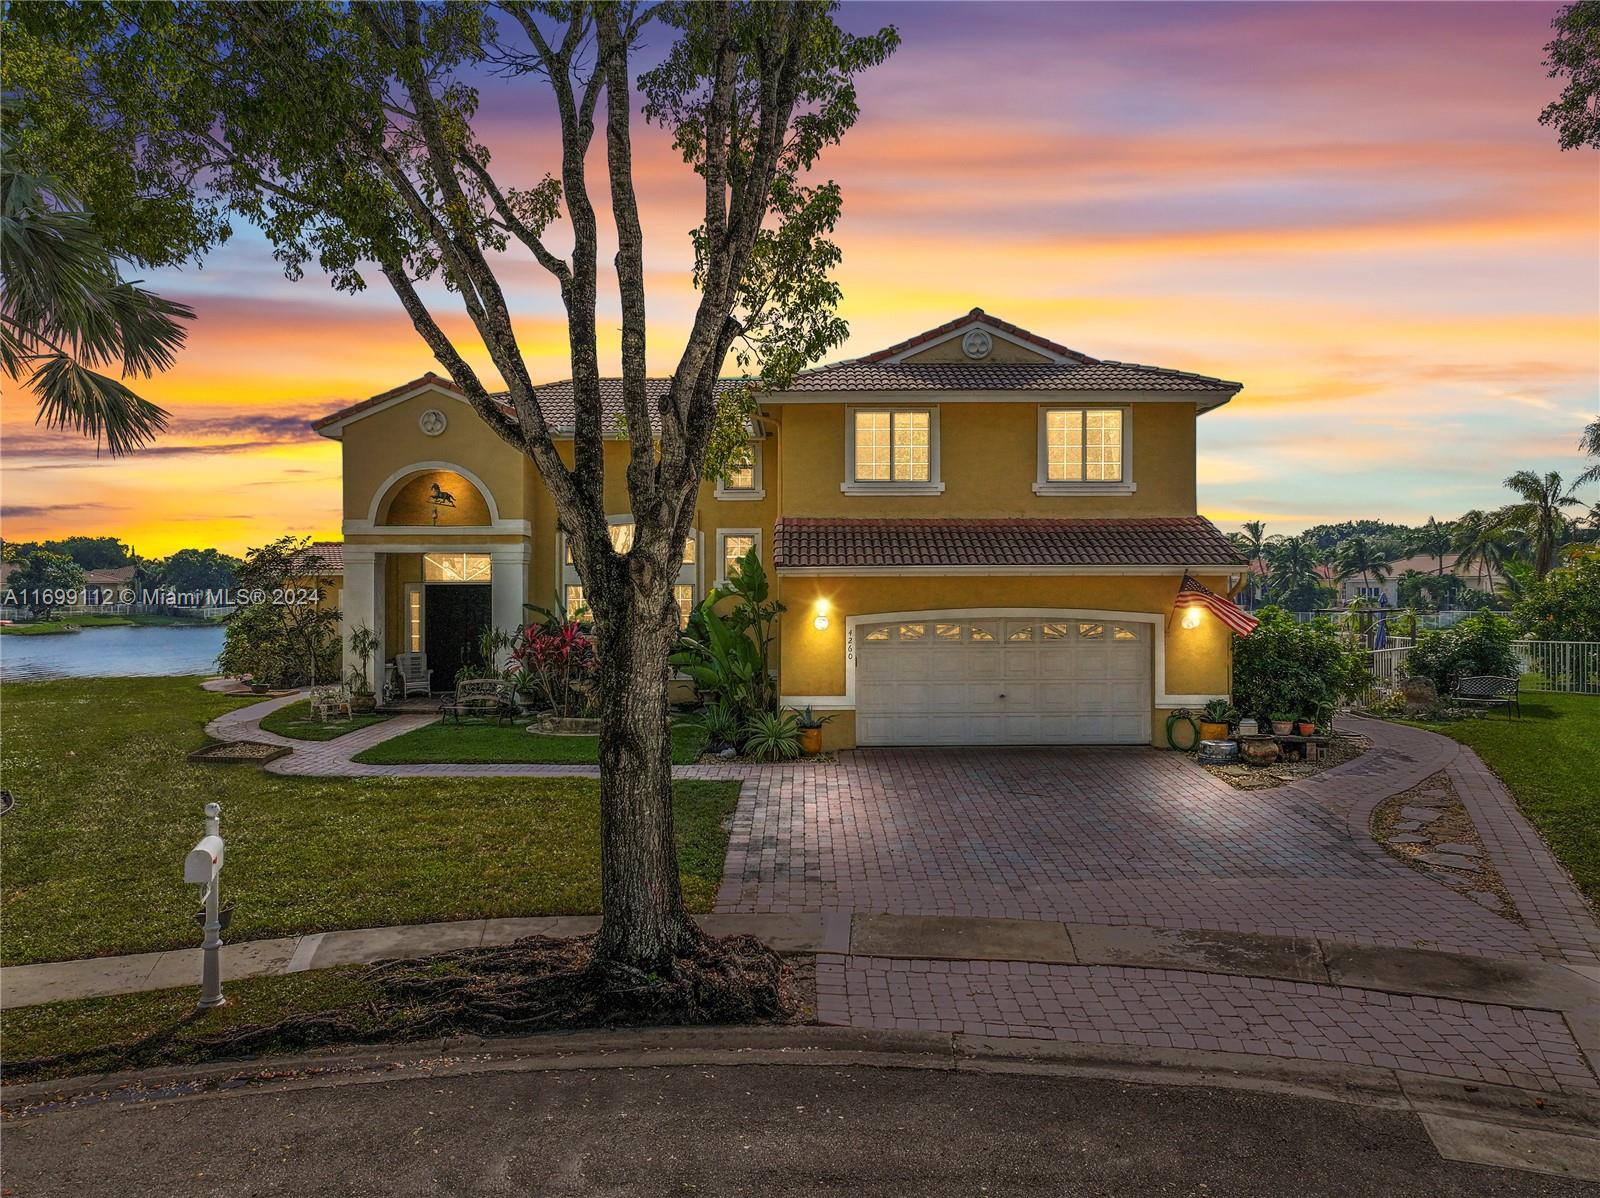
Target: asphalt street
x: 742, y: 1130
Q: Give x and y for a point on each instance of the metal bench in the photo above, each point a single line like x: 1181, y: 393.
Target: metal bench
x: 481, y: 699
x: 330, y: 701
x: 1489, y: 690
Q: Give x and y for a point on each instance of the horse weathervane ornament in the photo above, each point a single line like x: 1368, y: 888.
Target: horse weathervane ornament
x: 439, y: 498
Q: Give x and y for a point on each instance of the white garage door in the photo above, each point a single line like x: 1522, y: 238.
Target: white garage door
x: 1002, y: 682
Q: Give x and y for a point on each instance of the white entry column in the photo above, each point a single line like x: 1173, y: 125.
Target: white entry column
x: 508, y: 579
x: 361, y: 602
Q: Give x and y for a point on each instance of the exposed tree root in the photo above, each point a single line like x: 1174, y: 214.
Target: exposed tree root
x: 533, y: 985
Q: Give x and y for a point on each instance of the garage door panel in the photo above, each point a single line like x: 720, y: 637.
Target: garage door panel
x: 940, y: 681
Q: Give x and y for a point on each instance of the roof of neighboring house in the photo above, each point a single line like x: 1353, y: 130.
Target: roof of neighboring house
x: 805, y: 543
x: 876, y: 371
x: 106, y: 577
x: 331, y: 553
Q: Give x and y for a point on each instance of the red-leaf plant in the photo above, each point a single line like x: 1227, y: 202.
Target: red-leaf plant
x: 560, y: 664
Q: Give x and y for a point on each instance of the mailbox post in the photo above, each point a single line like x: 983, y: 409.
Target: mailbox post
x: 203, y: 868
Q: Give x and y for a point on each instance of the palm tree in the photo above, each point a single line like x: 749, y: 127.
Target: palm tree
x: 1252, y: 542
x: 67, y: 311
x: 1590, y: 444
x: 1294, y: 565
x: 1539, y: 513
x: 1360, y: 556
x: 1433, y: 539
x: 1479, y: 539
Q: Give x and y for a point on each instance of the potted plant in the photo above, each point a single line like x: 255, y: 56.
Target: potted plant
x: 1306, y: 726
x: 363, y: 644
x: 810, y: 724
x: 1282, y: 723
x: 1216, y: 719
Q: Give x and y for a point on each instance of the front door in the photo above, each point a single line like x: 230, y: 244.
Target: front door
x: 454, y: 616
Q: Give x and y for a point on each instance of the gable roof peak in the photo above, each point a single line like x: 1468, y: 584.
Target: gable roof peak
x: 977, y: 316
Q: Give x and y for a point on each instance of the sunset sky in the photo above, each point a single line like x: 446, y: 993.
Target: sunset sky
x: 1350, y: 208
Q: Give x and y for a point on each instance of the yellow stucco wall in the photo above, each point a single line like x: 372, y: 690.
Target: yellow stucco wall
x: 813, y: 661
x: 988, y: 464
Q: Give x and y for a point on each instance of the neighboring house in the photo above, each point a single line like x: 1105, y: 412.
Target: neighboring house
x: 978, y: 533
x: 101, y: 588
x: 330, y: 570
x: 1385, y: 591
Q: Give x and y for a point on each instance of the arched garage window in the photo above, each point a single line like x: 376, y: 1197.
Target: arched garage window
x: 686, y: 590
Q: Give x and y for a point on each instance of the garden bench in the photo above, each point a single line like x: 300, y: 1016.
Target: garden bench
x: 329, y: 701
x: 479, y: 698
x: 1489, y: 690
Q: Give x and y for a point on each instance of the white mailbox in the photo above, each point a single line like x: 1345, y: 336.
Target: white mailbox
x: 203, y: 868
x: 204, y: 860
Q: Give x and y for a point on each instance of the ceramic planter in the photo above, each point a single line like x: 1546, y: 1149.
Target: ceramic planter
x: 1259, y: 750
x: 1305, y: 728
x: 811, y: 741
x: 363, y: 704
x: 1283, y: 727
x: 1210, y: 731
x: 1248, y: 727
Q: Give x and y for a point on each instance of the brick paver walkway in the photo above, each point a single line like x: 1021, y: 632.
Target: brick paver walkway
x: 1095, y: 835
x: 1177, y: 1009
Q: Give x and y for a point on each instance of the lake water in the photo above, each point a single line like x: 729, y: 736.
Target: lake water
x: 111, y: 652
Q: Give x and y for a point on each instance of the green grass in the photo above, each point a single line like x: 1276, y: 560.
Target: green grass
x: 1550, y: 760
x: 90, y: 858
x: 160, y: 1027
x: 295, y: 722
x: 72, y: 623
x: 500, y: 744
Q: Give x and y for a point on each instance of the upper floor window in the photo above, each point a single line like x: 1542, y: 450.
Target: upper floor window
x: 893, y: 451
x: 1084, y: 450
x: 743, y: 480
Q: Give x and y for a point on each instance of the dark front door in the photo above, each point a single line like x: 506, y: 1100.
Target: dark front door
x: 455, y: 615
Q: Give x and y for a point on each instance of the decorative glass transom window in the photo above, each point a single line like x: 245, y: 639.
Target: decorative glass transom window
x: 893, y: 446
x: 455, y: 567
x: 621, y: 531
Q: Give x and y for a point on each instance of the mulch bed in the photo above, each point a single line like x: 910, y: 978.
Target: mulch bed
x: 1445, y: 847
x: 233, y: 752
x: 1339, y: 749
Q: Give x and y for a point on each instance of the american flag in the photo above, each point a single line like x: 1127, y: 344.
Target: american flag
x: 1192, y: 593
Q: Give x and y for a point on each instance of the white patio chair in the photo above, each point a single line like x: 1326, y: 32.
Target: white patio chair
x: 415, y: 677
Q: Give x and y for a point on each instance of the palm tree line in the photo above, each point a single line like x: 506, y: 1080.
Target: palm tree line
x: 1501, y: 550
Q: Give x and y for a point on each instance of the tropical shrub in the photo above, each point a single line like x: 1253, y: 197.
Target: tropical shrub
x: 363, y: 644
x: 285, y: 635
x: 1564, y: 605
x: 1480, y: 644
x: 727, y: 654
x: 558, y: 666
x: 44, y: 581
x: 1293, y: 668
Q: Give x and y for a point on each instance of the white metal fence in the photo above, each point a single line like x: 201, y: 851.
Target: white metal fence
x: 1567, y: 667
x: 1571, y: 667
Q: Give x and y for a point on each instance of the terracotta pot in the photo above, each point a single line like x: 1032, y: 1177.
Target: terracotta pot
x: 363, y: 704
x: 1259, y: 750
x: 1305, y: 728
x: 1210, y: 731
x: 1283, y: 727
x: 811, y: 741
x: 259, y: 688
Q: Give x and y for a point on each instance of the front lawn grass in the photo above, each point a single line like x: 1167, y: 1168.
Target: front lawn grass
x: 502, y: 744
x: 1550, y: 761
x: 162, y: 1027
x: 295, y: 722
x: 91, y: 856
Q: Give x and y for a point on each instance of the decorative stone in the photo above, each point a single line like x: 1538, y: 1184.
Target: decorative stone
x: 1259, y: 750
x: 1419, y: 691
x: 1465, y: 850
x: 1485, y: 898
x: 1449, y: 861
x: 1408, y: 838
x: 1422, y: 815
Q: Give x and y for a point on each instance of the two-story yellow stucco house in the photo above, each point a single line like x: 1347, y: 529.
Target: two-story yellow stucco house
x: 978, y: 533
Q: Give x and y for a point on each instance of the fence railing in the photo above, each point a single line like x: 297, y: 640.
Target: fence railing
x: 1563, y: 667
x: 1569, y: 667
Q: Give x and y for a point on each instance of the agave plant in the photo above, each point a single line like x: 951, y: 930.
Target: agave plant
x: 773, y: 736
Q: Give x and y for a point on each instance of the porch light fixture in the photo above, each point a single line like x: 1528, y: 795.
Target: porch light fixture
x: 1191, y: 616
x: 820, y: 620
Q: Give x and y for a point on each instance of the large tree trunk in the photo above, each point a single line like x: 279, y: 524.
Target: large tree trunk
x: 645, y: 924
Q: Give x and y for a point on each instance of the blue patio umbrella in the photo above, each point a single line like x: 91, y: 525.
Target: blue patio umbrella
x: 1380, y: 638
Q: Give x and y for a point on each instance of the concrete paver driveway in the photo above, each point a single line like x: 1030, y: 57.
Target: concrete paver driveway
x: 1090, y: 835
